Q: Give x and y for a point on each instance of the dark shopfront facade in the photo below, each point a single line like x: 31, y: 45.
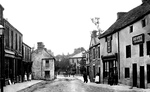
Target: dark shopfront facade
x: 13, y: 67
x: 110, y: 69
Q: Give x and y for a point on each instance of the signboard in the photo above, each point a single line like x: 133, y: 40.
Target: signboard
x: 109, y: 38
x: 138, y: 39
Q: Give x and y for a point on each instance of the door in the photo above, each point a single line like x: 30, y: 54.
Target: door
x: 99, y: 74
x: 142, y: 77
x: 134, y: 75
x: 47, y: 74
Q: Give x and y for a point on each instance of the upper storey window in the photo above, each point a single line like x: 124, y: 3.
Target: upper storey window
x: 143, y: 22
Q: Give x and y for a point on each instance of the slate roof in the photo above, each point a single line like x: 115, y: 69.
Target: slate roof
x: 131, y: 17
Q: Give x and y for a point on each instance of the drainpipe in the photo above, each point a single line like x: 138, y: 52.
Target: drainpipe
x: 118, y: 55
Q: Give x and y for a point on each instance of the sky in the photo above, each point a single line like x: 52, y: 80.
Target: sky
x: 62, y: 25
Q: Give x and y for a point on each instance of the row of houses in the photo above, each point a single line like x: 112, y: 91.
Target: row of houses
x: 17, y: 54
x: 21, y: 61
x: 122, y: 53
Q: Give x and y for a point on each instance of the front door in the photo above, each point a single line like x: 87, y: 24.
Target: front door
x: 134, y: 75
x: 142, y: 78
x: 47, y: 74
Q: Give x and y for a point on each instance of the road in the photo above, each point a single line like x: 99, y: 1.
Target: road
x: 62, y: 85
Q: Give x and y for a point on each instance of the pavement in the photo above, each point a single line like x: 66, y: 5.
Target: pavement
x: 114, y: 88
x: 106, y: 88
x: 19, y: 86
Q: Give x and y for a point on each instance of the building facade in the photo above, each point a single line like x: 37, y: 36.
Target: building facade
x: 27, y: 63
x: 94, y: 57
x: 13, y: 52
x: 125, y: 49
x: 43, y: 63
x: 77, y: 61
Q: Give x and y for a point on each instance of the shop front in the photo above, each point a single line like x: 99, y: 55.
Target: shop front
x: 110, y: 69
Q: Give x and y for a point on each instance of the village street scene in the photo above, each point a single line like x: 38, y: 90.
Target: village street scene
x: 34, y: 58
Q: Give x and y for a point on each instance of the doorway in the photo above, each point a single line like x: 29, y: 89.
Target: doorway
x: 134, y: 75
x: 47, y: 74
x: 142, y: 77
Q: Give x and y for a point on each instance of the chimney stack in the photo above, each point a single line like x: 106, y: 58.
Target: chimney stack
x: 145, y: 1
x: 120, y: 14
x: 94, y: 33
x: 40, y: 45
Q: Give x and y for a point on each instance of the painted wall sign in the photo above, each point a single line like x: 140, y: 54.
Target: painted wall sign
x: 138, y: 39
x: 109, y: 38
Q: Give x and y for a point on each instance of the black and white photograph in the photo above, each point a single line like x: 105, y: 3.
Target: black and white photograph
x: 74, y: 45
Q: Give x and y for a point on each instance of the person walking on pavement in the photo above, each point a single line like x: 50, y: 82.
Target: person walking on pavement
x: 85, y: 77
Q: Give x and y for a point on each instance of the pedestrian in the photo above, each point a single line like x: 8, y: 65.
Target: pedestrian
x: 25, y: 77
x: 85, y: 77
x: 30, y: 77
x: 97, y: 78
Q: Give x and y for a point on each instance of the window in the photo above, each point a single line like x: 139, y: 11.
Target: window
x: 128, y: 51
x: 131, y: 29
x: 12, y: 39
x: 99, y: 52
x: 148, y: 47
x: 143, y: 23
x: 7, y: 36
x: 16, y: 42
x: 47, y: 63
x: 20, y: 43
x: 93, y: 53
x: 141, y: 49
x: 127, y: 73
x: 148, y: 73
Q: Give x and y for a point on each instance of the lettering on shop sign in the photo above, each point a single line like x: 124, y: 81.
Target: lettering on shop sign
x: 138, y: 39
x: 109, y: 38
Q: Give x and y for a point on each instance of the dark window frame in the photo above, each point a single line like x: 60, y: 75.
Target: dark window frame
x: 141, y: 50
x: 143, y: 22
x: 131, y: 29
x: 127, y: 72
x: 128, y: 51
x: 148, y: 47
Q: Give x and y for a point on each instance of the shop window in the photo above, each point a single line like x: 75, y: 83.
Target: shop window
x: 131, y: 29
x: 128, y: 51
x: 141, y: 50
x: 127, y: 73
x: 148, y: 47
x: 143, y: 23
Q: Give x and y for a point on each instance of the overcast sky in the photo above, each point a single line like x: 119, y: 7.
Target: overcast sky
x: 62, y: 25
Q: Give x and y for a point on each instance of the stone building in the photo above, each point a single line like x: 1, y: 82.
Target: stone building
x: 43, y: 63
x: 94, y: 56
x: 125, y: 48
x: 76, y: 61
x: 27, y: 63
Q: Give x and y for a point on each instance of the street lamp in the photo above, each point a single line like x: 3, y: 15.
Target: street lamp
x: 2, y: 61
